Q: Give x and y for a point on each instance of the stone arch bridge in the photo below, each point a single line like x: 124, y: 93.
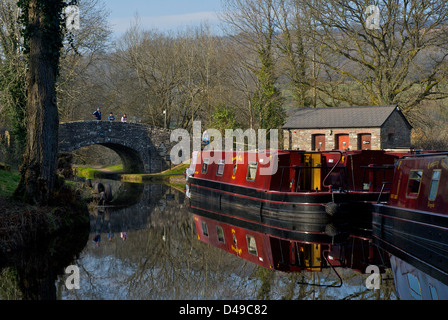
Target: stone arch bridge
x: 142, y: 148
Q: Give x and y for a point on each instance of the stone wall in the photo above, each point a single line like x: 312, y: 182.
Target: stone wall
x: 395, y: 133
x: 295, y: 139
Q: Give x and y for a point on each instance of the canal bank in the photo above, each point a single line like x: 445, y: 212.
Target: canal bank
x: 23, y: 224
x: 173, y: 177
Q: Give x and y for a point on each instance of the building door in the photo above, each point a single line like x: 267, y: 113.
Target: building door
x: 364, y: 141
x: 318, y: 142
x: 342, y: 141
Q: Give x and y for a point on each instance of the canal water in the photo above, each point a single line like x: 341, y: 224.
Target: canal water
x: 144, y: 246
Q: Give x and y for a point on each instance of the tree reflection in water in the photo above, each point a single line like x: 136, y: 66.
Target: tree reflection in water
x: 162, y: 258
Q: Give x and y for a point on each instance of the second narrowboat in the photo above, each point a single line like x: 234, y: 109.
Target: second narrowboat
x: 414, y: 220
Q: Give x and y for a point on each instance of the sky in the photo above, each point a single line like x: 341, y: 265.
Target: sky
x: 161, y: 14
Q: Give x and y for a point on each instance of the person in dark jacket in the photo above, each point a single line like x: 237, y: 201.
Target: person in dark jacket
x: 97, y: 114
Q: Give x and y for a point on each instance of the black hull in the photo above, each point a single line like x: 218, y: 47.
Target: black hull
x: 280, y: 209
x: 420, y: 238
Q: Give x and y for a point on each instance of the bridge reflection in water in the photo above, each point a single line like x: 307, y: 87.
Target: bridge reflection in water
x: 167, y: 255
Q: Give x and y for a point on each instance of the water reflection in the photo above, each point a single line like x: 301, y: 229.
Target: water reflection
x: 32, y: 274
x: 163, y: 259
x: 146, y: 244
x: 418, y: 260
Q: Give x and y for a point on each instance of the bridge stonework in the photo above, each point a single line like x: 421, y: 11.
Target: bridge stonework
x: 142, y: 148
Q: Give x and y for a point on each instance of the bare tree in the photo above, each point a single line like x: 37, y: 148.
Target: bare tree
x: 80, y: 59
x: 12, y: 72
x: 398, y: 59
x: 252, y: 24
x: 177, y: 73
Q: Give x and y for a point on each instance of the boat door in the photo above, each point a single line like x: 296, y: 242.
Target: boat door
x: 312, y: 177
x: 342, y: 141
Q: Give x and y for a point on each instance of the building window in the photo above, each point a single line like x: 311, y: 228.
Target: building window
x: 252, y: 171
x: 390, y: 137
x: 204, y: 166
x: 251, y: 245
x: 204, y: 228
x: 220, y: 233
x: 220, y: 170
x: 415, y: 178
x: 434, y: 185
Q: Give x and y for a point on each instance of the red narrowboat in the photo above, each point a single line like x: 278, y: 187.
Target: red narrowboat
x: 414, y: 221
x: 295, y: 186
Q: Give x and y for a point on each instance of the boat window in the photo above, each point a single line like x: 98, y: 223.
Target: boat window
x: 414, y: 287
x: 204, y: 228
x: 204, y: 166
x: 433, y: 292
x: 220, y: 233
x: 434, y: 185
x: 220, y: 170
x: 415, y: 177
x: 251, y: 245
x: 252, y: 171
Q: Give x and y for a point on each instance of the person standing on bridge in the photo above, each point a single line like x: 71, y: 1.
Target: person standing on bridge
x: 124, y: 118
x: 97, y: 114
x: 111, y: 117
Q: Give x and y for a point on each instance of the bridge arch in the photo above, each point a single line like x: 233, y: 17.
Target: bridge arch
x: 141, y: 148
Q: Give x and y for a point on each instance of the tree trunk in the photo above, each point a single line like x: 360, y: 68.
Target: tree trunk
x: 38, y: 171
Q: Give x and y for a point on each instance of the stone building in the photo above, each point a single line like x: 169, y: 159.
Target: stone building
x: 354, y: 128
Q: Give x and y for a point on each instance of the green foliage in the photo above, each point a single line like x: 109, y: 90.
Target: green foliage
x: 224, y: 118
x: 14, y: 99
x: 8, y: 182
x: 13, y: 79
x: 9, y: 286
x: 268, y: 99
x: 266, y: 276
x: 52, y: 26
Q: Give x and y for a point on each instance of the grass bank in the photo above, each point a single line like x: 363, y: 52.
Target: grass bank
x: 175, y: 173
x: 98, y: 172
x: 174, y: 176
x: 8, y: 182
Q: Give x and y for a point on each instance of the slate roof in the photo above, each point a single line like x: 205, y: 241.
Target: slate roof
x: 342, y: 117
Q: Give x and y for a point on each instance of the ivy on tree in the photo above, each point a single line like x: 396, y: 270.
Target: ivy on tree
x: 43, y: 33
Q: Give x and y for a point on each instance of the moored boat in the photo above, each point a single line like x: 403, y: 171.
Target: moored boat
x: 275, y: 187
x: 414, y: 221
